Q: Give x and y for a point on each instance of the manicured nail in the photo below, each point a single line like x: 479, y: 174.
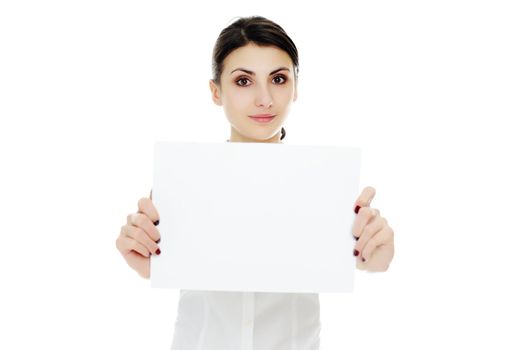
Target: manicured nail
x: 357, y: 209
x: 156, y: 223
x: 158, y: 251
x: 356, y: 253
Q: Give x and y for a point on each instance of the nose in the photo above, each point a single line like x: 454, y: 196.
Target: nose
x: 263, y: 98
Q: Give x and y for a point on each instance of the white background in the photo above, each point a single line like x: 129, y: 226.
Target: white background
x: 432, y: 91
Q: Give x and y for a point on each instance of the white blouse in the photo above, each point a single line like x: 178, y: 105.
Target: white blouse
x: 229, y: 320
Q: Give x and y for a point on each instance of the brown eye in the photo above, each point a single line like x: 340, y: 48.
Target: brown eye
x: 244, y: 80
x: 284, y: 79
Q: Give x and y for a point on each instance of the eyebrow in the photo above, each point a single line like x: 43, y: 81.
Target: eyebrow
x: 252, y: 73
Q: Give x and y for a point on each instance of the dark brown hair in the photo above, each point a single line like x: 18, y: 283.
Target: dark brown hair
x: 258, y: 30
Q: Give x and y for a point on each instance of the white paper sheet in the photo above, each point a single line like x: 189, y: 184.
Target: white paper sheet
x: 262, y: 217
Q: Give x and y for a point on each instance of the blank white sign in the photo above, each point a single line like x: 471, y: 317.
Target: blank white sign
x: 263, y: 217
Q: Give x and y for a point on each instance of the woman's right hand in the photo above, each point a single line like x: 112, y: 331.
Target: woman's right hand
x: 139, y: 238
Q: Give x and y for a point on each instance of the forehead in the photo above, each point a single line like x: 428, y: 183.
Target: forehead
x: 254, y: 57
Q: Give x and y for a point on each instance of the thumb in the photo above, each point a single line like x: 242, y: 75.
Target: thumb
x: 365, y: 198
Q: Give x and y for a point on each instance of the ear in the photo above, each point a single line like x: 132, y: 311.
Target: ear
x: 295, y: 91
x: 216, y: 93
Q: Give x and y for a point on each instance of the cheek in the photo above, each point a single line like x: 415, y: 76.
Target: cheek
x: 284, y: 95
x: 237, y: 99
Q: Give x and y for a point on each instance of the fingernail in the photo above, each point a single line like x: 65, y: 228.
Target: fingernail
x: 156, y: 223
x: 356, y: 253
x: 363, y: 259
x: 158, y: 251
x: 357, y: 209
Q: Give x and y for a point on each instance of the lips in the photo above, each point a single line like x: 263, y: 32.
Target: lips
x: 262, y: 115
x: 262, y: 118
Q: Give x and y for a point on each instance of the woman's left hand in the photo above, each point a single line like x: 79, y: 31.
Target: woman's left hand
x: 374, y: 248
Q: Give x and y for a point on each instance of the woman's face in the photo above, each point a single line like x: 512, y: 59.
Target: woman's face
x: 255, y: 80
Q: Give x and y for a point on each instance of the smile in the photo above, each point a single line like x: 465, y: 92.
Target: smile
x: 262, y: 118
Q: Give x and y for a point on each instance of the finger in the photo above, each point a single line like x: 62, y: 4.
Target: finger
x: 141, y: 236
x: 126, y: 244
x: 372, y: 227
x: 143, y: 222
x: 365, y: 198
x: 383, y: 237
x: 156, y: 222
x: 146, y: 206
x: 364, y: 216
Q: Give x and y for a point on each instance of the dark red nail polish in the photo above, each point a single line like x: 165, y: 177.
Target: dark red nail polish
x: 158, y: 251
x: 356, y: 253
x: 357, y: 209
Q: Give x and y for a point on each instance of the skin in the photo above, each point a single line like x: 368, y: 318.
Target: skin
x: 374, y: 249
x: 261, y: 92
x: 265, y: 90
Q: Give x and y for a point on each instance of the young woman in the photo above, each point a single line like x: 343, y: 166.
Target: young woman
x: 255, y: 75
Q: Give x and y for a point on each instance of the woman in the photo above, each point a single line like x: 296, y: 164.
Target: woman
x: 255, y: 73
